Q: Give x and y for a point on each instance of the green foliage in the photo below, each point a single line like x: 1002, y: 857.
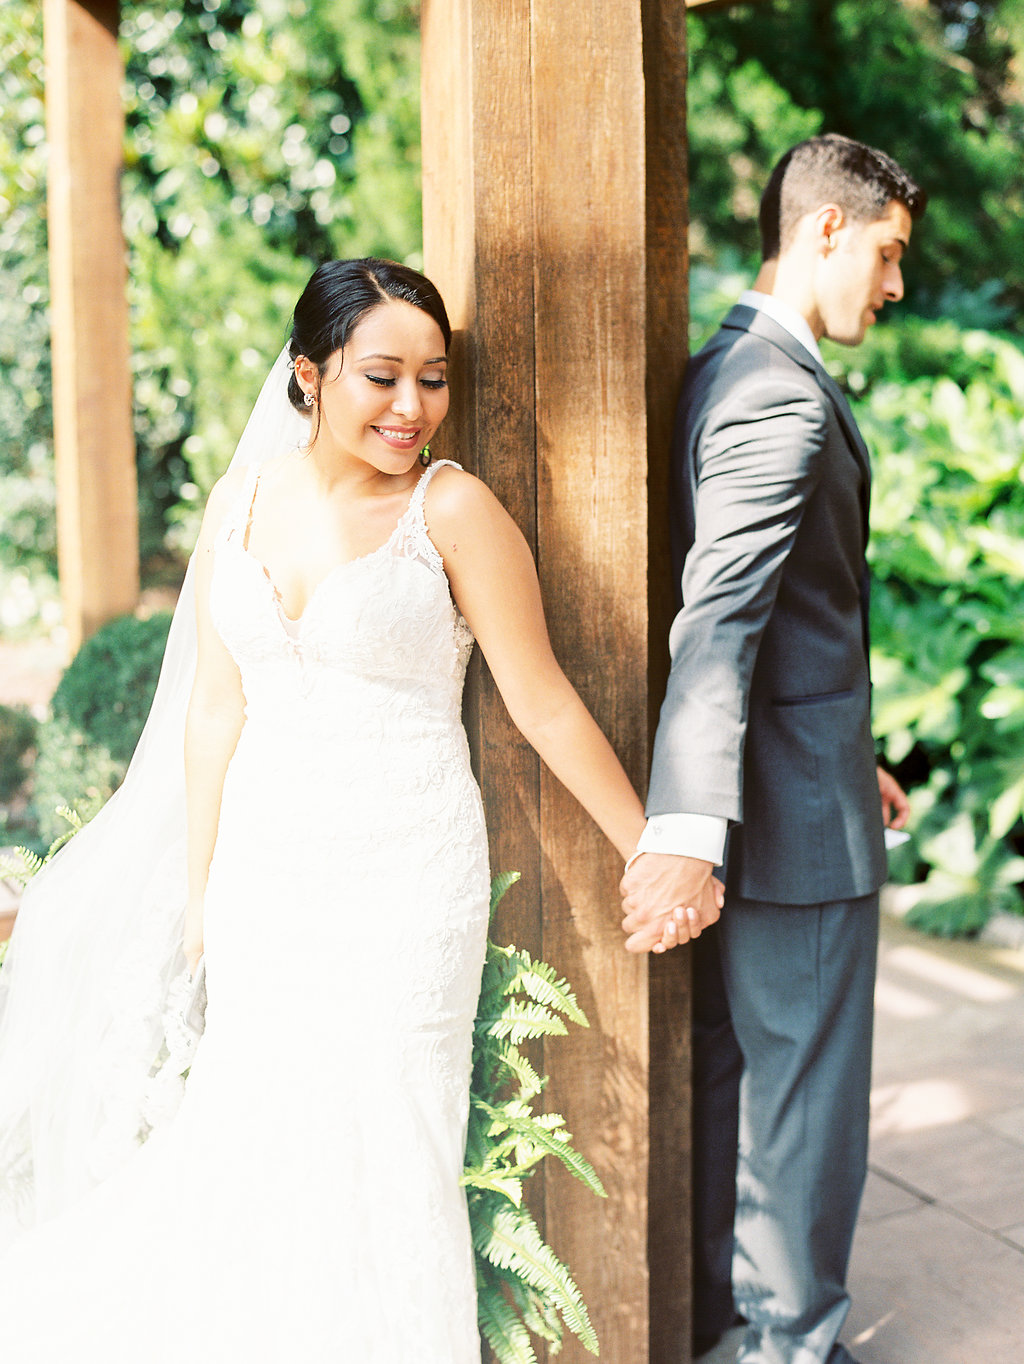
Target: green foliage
x: 97, y: 715
x: 948, y: 617
x: 17, y: 736
x: 21, y: 864
x: 27, y: 528
x: 522, y: 1286
x: 262, y: 139
x: 263, y: 136
x: 933, y: 83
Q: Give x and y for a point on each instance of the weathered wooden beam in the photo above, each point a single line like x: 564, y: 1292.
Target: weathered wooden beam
x: 97, y: 517
x: 554, y: 223
x: 719, y: 4
x: 669, y: 1230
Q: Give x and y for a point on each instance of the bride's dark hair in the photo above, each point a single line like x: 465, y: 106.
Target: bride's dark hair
x: 341, y: 293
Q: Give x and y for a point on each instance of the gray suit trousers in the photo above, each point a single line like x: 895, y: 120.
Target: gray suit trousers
x: 800, y: 985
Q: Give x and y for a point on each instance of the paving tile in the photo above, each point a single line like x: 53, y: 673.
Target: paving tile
x: 1009, y: 1124
x: 963, y: 1166
x: 929, y: 1289
x: 884, y: 1198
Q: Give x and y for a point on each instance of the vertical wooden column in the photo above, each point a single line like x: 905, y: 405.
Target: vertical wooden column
x: 669, y: 1223
x: 97, y: 518
x: 554, y: 224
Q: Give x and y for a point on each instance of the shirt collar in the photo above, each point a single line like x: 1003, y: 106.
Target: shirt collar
x: 788, y: 319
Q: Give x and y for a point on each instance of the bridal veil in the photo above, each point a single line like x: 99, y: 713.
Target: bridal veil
x: 97, y: 941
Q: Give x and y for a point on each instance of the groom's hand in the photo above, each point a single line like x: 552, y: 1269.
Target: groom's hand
x: 658, y: 885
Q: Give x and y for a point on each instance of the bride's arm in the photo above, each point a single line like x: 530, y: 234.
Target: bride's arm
x: 494, y: 583
x: 213, y: 724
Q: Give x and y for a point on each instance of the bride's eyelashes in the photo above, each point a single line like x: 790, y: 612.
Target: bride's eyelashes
x: 383, y: 382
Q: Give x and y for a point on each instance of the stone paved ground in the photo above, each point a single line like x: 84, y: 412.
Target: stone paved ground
x: 938, y: 1264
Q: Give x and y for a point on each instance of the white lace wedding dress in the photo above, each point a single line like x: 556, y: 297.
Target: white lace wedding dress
x: 304, y: 1205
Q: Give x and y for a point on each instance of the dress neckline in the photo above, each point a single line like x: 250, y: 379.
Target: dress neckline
x: 293, y: 624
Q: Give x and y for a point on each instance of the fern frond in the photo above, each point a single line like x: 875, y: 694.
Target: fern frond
x: 522, y: 1284
x: 543, y: 984
x: 535, y: 1132
x: 510, y: 1186
x: 74, y: 820
x: 535, y: 1310
x: 509, y: 1239
x: 499, y: 885
x: 506, y: 1064
x: 507, y: 1336
x: 29, y: 863
x: 23, y: 870
x: 520, y: 1021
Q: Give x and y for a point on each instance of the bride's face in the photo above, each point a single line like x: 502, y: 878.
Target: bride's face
x: 385, y: 395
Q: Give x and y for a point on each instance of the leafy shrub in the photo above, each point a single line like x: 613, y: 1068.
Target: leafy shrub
x: 17, y: 736
x: 948, y: 624
x: 97, y: 715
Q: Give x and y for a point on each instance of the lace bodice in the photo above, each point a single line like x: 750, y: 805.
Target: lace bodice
x: 385, y: 616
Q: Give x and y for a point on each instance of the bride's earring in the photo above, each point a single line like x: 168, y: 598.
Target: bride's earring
x: 309, y: 400
x: 425, y: 456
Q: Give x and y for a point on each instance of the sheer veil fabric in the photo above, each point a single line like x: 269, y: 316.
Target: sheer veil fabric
x: 98, y: 939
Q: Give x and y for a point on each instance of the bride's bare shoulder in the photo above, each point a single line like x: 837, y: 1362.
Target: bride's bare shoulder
x: 223, y: 498
x: 455, y: 496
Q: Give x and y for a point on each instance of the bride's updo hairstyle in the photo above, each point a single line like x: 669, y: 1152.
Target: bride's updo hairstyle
x: 338, y: 296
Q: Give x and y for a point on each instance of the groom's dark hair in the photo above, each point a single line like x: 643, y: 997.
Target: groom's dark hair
x: 339, y: 295
x: 832, y: 169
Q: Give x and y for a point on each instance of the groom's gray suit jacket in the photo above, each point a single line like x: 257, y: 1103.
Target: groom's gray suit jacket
x: 767, y: 716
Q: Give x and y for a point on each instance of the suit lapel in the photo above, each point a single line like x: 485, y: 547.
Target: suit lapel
x: 742, y: 318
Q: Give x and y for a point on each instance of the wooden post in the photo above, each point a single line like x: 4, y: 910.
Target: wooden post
x: 554, y: 224
x: 669, y: 1222
x: 97, y: 517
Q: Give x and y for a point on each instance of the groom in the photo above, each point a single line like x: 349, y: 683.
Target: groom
x: 765, y: 736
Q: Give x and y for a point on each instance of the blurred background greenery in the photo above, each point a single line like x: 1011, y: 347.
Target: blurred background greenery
x: 266, y: 135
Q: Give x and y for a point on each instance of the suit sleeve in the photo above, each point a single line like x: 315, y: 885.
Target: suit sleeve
x: 758, y: 459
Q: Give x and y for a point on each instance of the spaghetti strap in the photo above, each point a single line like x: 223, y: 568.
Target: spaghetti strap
x: 411, y: 538
x: 420, y: 491
x: 239, y: 518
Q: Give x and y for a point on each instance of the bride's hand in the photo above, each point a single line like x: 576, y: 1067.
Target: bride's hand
x: 676, y: 929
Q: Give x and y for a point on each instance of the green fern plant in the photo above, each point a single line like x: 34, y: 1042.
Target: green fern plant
x: 522, y: 1286
x: 24, y: 863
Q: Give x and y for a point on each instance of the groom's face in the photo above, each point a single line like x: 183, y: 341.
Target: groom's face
x: 861, y: 273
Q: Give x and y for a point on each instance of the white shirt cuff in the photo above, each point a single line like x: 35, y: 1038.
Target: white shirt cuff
x: 700, y: 836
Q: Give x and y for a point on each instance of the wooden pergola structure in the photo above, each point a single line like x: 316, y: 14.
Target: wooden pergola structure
x: 555, y: 215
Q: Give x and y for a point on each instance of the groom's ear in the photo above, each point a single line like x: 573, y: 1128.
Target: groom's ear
x: 828, y: 219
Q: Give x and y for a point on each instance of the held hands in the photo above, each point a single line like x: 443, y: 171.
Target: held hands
x: 668, y: 900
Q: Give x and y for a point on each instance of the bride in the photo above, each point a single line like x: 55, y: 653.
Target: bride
x: 304, y: 1202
